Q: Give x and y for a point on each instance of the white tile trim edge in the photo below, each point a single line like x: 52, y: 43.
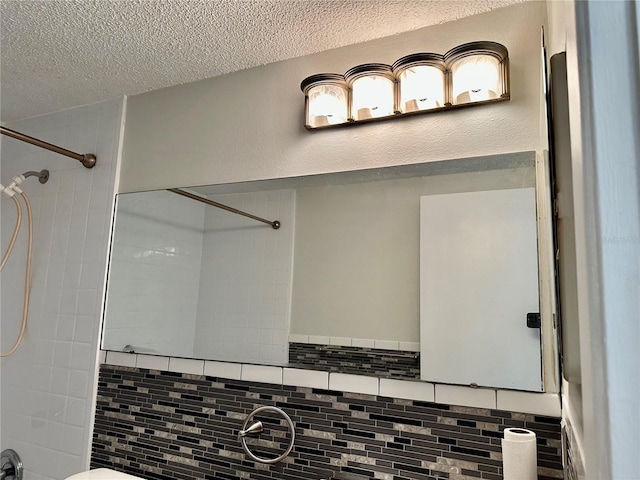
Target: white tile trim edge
x: 514, y: 401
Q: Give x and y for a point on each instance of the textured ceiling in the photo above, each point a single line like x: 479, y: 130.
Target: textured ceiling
x: 57, y: 54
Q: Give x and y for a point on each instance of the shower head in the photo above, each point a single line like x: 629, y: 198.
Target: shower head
x: 43, y: 175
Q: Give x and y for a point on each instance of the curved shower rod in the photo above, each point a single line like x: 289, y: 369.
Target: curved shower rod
x: 87, y: 159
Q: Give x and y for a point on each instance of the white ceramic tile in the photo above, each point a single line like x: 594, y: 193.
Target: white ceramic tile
x: 223, y: 370
x: 85, y: 326
x: 153, y: 362
x: 409, y: 346
x: 186, y: 365
x: 386, y: 344
x: 261, y: 373
x: 62, y: 354
x: 353, y: 383
x: 341, y: 341
x: 82, y: 356
x: 527, y: 402
x: 120, y: 358
x: 78, y: 383
x: 423, y: 391
x: 75, y: 412
x: 363, y: 342
x: 466, y: 396
x: 59, y: 380
x: 297, y: 338
x: 319, y: 340
x: 305, y: 378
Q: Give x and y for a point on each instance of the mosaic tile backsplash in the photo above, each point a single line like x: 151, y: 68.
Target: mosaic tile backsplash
x: 161, y: 425
x: 375, y: 362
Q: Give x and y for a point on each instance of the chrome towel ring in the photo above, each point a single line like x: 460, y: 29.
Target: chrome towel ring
x: 256, y: 428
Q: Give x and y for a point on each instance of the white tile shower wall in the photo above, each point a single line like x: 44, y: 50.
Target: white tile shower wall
x: 154, y: 274
x: 47, y: 385
x: 244, y: 305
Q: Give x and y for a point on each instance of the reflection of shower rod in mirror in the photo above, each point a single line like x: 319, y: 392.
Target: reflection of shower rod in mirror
x: 275, y: 224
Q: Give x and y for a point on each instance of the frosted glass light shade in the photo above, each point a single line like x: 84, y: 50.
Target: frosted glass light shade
x: 476, y: 78
x: 328, y: 105
x: 373, y: 91
x: 326, y: 100
x: 372, y: 97
x: 421, y: 88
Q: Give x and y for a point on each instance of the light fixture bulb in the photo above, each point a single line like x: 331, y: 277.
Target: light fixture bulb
x: 476, y: 78
x: 421, y: 88
x: 373, y: 91
x: 327, y: 105
x: 373, y: 97
x: 327, y: 100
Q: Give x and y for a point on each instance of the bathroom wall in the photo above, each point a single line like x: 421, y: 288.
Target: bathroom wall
x: 356, y: 272
x: 244, y: 304
x: 155, y: 274
x: 47, y: 386
x: 249, y: 125
x: 162, y: 426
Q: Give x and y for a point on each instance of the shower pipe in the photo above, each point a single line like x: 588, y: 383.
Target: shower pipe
x: 274, y: 224
x: 87, y: 159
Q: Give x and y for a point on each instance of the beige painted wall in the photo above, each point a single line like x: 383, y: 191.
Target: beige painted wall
x: 356, y: 267
x: 249, y: 125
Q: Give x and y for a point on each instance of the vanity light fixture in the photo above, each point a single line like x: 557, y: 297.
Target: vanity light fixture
x: 479, y: 72
x: 327, y: 100
x: 372, y: 87
x: 469, y: 74
x: 421, y: 82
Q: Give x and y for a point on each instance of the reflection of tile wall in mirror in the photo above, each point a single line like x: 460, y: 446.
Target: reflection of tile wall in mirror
x: 245, y: 285
x: 374, y: 362
x: 188, y: 280
x: 154, y: 272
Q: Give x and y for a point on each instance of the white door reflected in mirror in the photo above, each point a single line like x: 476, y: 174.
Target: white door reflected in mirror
x: 478, y: 281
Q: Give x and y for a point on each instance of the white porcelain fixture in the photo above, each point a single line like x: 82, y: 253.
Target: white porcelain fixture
x: 102, y: 474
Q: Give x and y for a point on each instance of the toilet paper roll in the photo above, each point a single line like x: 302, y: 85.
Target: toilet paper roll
x: 519, y: 454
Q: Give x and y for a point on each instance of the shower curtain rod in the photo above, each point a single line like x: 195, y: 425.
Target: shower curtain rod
x: 87, y: 159
x: 274, y: 224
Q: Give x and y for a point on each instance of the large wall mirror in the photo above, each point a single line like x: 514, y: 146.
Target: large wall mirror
x: 400, y: 272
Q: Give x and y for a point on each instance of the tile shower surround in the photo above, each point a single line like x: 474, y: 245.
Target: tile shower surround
x: 375, y: 362
x: 162, y: 425
x: 47, y: 387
